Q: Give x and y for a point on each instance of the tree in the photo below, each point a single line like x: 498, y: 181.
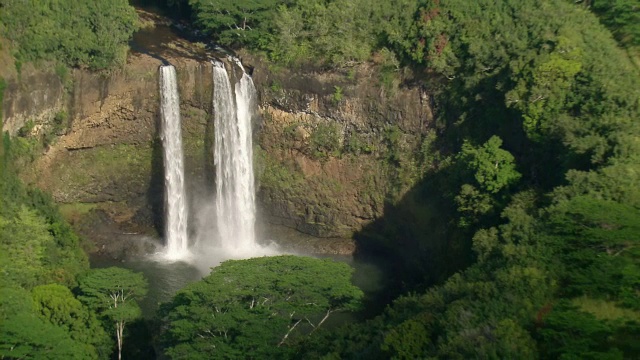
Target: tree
x: 78, y: 33
x: 24, y: 240
x: 622, y: 17
x: 597, y: 242
x: 257, y: 306
x: 568, y: 333
x: 24, y: 334
x: 493, y: 169
x: 113, y: 293
x: 55, y: 304
x: 231, y: 22
x: 338, y: 33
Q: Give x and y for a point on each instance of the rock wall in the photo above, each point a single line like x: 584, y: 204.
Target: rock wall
x: 332, y: 149
x: 109, y: 152
x: 36, y: 95
x: 336, y: 147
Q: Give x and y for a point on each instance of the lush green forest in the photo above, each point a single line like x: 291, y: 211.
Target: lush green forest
x: 521, y: 240
x: 83, y: 33
x: 52, y: 305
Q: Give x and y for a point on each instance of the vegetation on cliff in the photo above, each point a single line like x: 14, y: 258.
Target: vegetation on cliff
x: 85, y: 33
x: 544, y: 105
x: 41, y: 261
x: 537, y: 168
x: 38, y: 249
x: 520, y: 240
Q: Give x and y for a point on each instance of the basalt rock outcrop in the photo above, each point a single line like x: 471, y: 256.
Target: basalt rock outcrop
x: 337, y: 147
x: 331, y: 148
x: 108, y: 152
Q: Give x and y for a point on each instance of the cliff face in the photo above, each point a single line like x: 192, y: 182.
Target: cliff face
x: 330, y: 151
x: 38, y: 96
x: 107, y: 153
x: 336, y: 147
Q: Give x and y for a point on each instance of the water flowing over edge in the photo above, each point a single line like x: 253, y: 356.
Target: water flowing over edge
x: 175, y: 196
x: 233, y: 160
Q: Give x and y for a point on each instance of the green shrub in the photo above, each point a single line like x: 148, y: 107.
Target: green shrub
x: 25, y: 130
x: 392, y: 137
x: 325, y: 141
x: 357, y: 145
x: 338, y: 95
x: 60, y: 122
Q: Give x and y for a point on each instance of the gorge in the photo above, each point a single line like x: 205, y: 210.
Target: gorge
x: 115, y: 118
x: 483, y: 155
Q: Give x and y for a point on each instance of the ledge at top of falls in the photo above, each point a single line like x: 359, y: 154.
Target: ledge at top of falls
x: 168, y: 41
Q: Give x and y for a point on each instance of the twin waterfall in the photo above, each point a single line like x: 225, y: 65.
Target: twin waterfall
x: 233, y: 160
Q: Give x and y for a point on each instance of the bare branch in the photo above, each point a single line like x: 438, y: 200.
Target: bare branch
x: 310, y: 323
x: 540, y: 97
x: 326, y: 316
x: 289, y: 332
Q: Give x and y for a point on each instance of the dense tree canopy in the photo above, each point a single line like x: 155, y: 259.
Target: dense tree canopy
x: 245, y: 22
x: 256, y: 308
x: 50, y: 324
x: 79, y: 32
x: 547, y: 79
x: 621, y: 16
x: 37, y: 246
x: 40, y: 259
x: 533, y: 176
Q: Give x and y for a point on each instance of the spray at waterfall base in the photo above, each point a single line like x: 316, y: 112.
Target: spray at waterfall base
x: 234, y: 210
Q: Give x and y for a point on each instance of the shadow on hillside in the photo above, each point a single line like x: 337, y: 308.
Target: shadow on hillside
x: 155, y: 192
x: 139, y: 340
x: 417, y: 242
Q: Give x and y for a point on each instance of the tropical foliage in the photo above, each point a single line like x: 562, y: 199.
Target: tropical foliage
x: 565, y: 100
x: 40, y: 262
x: 520, y: 241
x: 79, y: 33
x: 40, y: 258
x: 257, y: 308
x: 113, y: 293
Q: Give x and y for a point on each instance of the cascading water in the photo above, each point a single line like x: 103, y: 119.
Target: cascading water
x: 175, y: 197
x: 233, y: 159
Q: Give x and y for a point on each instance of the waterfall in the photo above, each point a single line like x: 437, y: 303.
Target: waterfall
x: 175, y: 197
x: 233, y: 159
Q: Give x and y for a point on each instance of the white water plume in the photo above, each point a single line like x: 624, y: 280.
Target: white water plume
x: 233, y: 159
x: 175, y: 198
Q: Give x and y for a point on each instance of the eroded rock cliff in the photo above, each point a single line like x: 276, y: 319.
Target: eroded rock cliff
x: 336, y: 147
x: 332, y: 149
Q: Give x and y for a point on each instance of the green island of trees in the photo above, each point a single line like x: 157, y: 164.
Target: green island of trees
x: 259, y: 308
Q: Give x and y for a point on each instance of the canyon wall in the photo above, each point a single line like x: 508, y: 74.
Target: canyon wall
x: 107, y: 153
x: 337, y: 147
x: 331, y: 150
